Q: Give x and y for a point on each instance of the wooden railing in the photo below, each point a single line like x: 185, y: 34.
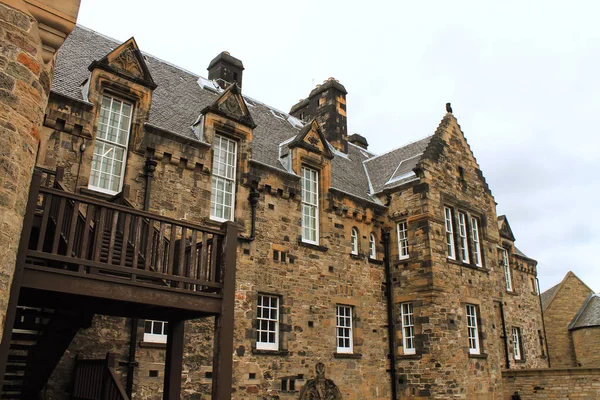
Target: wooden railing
x: 96, y: 380
x: 94, y: 237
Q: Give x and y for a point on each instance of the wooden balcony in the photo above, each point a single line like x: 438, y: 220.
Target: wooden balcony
x: 88, y: 247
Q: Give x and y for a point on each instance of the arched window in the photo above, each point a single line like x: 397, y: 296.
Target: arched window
x: 354, y: 241
x: 372, y: 251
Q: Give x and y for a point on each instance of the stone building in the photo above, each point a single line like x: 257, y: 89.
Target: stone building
x: 357, y: 276
x: 572, y: 319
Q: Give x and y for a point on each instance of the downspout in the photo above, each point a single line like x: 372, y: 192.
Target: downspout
x: 543, y: 322
x: 149, y: 168
x: 385, y: 236
x: 505, y: 337
x: 253, y: 200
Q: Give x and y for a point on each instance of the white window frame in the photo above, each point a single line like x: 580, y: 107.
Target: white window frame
x: 516, y: 333
x: 506, y: 267
x: 402, y: 232
x: 476, y: 243
x: 449, y: 233
x: 408, y: 328
x: 221, y: 159
x: 103, y: 130
x: 372, y: 248
x: 473, y: 329
x: 463, y: 241
x: 267, y: 322
x: 310, y: 203
x: 354, y: 241
x: 151, y: 337
x: 344, y: 328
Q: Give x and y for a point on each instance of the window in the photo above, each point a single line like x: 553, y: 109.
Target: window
x: 473, y: 329
x: 310, y: 205
x: 354, y: 241
x: 517, y: 350
x: 506, y: 267
x: 408, y: 328
x: 402, y: 229
x: 344, y: 329
x: 267, y: 315
x: 222, y: 198
x: 533, y: 286
x: 155, y: 331
x: 449, y: 233
x: 110, y: 147
x: 476, y: 244
x: 463, y: 243
x: 372, y: 249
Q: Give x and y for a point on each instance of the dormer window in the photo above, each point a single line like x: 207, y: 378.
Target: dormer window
x: 222, y: 201
x: 354, y: 241
x: 110, y: 146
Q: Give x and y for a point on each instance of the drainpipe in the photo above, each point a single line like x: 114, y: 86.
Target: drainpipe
x: 385, y: 236
x: 253, y: 200
x: 505, y: 337
x: 149, y: 168
x: 543, y: 322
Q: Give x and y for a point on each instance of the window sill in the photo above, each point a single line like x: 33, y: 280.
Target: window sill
x: 312, y: 246
x: 354, y: 356
x: 356, y: 256
x: 470, y: 266
x: 270, y: 352
x: 375, y: 261
x: 479, y: 356
x: 409, y: 357
x: 520, y: 361
x: 153, y: 345
x: 95, y: 193
x: 403, y: 261
x: 512, y: 293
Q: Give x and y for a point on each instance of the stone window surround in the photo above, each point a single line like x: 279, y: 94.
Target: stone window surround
x: 282, y: 338
x: 317, y: 172
x: 480, y: 328
x: 372, y: 247
x: 402, y: 241
x: 345, y: 316
x: 354, y: 241
x: 269, y: 346
x: 410, y: 315
x: 521, y: 351
x: 469, y: 214
x: 505, y: 250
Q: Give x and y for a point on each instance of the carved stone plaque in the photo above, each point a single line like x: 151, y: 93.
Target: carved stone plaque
x: 320, y: 388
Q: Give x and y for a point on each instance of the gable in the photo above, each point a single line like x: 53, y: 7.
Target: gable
x: 505, y: 230
x: 231, y: 104
x: 312, y: 139
x: 126, y: 61
x: 571, y: 288
x: 449, y: 144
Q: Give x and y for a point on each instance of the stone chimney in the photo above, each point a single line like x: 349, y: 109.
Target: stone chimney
x: 359, y: 140
x: 327, y: 103
x: 226, y: 69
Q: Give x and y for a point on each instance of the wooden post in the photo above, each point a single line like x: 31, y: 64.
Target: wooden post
x: 15, y: 287
x: 223, y: 346
x: 174, y: 360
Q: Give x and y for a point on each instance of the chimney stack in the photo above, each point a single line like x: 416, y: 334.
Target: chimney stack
x: 226, y: 69
x: 327, y: 103
x: 359, y: 140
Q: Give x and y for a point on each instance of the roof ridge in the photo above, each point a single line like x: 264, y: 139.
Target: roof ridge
x: 397, y: 148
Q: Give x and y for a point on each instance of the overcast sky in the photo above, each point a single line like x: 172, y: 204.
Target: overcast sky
x: 522, y: 77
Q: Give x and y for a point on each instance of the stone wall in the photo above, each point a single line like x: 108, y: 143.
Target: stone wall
x: 586, y: 342
x: 24, y: 87
x: 558, y: 315
x: 556, y: 383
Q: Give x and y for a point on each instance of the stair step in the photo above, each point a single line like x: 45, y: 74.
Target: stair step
x: 12, y: 358
x: 12, y: 377
x: 15, y: 368
x: 24, y: 337
x: 21, y: 346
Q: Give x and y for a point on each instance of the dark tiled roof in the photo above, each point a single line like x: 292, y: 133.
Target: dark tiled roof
x: 179, y: 98
x: 548, y: 294
x: 589, y: 314
x: 390, y: 170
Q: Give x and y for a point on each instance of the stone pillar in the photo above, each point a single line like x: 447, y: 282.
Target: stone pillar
x: 30, y: 34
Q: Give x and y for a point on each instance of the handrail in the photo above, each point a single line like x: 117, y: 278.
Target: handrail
x: 145, y: 214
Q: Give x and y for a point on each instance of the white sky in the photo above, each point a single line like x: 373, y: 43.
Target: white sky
x: 521, y: 76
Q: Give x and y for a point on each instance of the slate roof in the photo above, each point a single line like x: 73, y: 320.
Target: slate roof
x: 548, y: 295
x: 393, y: 169
x: 181, y: 95
x: 589, y: 314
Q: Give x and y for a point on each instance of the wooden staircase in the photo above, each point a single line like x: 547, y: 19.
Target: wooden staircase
x: 39, y: 339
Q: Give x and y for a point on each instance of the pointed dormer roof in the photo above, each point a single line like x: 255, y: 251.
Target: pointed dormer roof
x: 311, y: 138
x: 231, y: 104
x: 504, y: 228
x: 127, y: 62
